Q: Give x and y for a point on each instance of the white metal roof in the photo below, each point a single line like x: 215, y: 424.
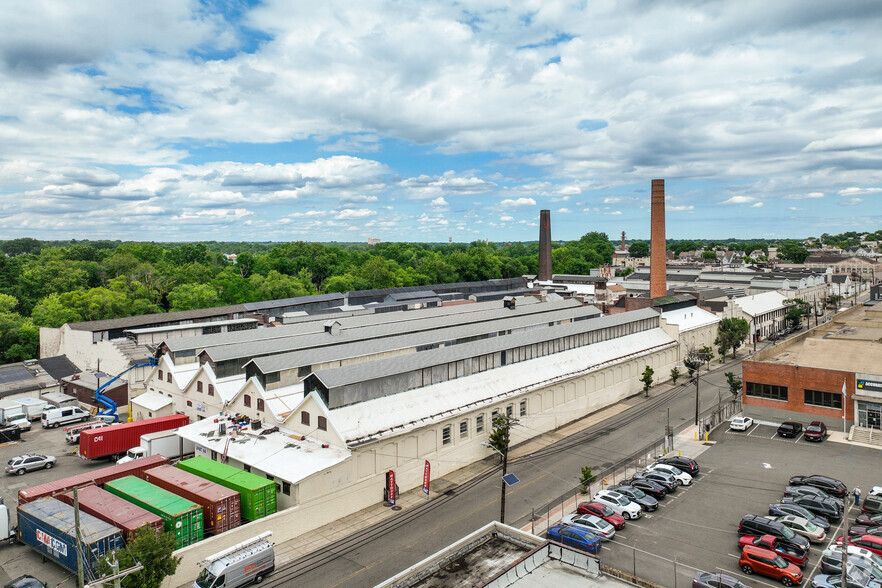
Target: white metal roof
x: 760, y: 303
x: 152, y: 400
x: 690, y: 318
x: 278, y: 454
x: 418, y: 407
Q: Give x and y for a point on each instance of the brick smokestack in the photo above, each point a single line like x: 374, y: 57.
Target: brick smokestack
x: 658, y: 260
x: 544, y: 245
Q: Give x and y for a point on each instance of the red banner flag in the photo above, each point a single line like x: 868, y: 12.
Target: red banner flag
x: 390, y: 487
x: 426, y: 474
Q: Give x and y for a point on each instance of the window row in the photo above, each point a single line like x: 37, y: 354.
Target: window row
x: 767, y: 391
x: 447, y: 432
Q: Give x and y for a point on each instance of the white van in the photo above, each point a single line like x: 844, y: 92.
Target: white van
x: 53, y: 417
x: 249, y: 562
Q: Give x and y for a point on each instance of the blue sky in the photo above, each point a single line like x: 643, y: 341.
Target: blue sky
x: 338, y: 121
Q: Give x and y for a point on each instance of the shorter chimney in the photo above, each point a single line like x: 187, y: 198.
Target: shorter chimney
x: 544, y: 246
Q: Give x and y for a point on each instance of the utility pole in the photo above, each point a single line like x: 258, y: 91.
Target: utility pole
x: 697, y: 376
x: 504, y: 471
x: 80, y: 579
x: 499, y: 441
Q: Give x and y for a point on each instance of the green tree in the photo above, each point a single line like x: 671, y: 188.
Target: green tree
x: 731, y: 334
x: 646, y: 378
x: 52, y: 312
x: 709, y: 255
x: 586, y: 479
x: 675, y: 374
x: 500, y: 435
x: 23, y: 246
x: 795, y: 310
x: 153, y: 551
x: 638, y: 249
x: 734, y: 383
x: 192, y: 296
x: 276, y: 286
x: 792, y: 251
x: 707, y: 353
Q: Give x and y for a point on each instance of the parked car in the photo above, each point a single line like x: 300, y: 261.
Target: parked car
x: 602, y: 511
x: 679, y: 475
x: 757, y: 525
x: 28, y: 463
x: 646, y: 502
x: 789, y: 429
x: 803, y: 527
x: 780, y: 510
x: 789, y: 552
x: 869, y: 542
x: 668, y: 482
x: 708, y: 580
x: 862, y: 530
x: 768, y: 563
x: 816, y: 431
x: 651, y: 487
x: 831, y: 486
x: 596, y: 525
x: 619, y: 503
x: 824, y: 507
x: 831, y: 563
x: 25, y: 581
x: 577, y: 537
x: 23, y: 423
x: 685, y: 464
x: 869, y: 520
x: 872, y: 504
x: 813, y: 492
x: 856, y: 579
x: 835, y: 553
x: 741, y: 423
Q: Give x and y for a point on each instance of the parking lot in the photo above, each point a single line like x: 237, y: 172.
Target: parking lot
x: 695, y: 528
x: 17, y: 559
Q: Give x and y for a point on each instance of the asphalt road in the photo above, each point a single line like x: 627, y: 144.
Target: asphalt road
x: 373, y: 555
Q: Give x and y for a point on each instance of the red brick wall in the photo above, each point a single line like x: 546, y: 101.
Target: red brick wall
x: 797, y: 379
x: 118, y: 394
x: 658, y: 248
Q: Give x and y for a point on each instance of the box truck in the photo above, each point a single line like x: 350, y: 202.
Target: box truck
x: 10, y: 410
x: 248, y: 562
x: 33, y: 407
x: 167, y: 443
x: 115, y: 440
x: 47, y: 526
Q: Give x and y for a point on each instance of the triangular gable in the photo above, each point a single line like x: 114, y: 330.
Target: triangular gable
x: 312, y: 404
x: 163, y: 364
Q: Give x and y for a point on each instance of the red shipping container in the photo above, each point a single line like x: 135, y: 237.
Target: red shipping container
x: 221, y: 506
x: 112, y: 509
x: 117, y: 439
x: 98, y: 477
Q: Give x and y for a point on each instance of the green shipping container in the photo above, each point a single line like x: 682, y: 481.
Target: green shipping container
x: 258, y: 494
x: 179, y: 515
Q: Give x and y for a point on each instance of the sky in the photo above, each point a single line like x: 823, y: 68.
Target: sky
x: 237, y: 120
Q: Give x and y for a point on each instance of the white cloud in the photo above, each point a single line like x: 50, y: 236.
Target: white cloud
x: 508, y: 202
x: 804, y: 196
x: 681, y: 208
x: 613, y: 213
x: 850, y: 202
x: 756, y: 205
x: 739, y: 200
x: 439, y: 201
x: 506, y: 218
x: 854, y: 191
x: 563, y: 211
x: 351, y: 213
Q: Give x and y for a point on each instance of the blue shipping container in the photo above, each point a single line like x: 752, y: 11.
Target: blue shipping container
x: 47, y: 525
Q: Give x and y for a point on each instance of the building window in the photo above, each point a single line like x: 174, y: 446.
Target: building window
x: 199, y: 386
x: 463, y: 429
x: 445, y: 436
x: 247, y: 467
x: 247, y: 400
x: 304, y: 418
x: 168, y: 377
x: 825, y: 399
x: 189, y: 403
x: 214, y: 455
x: 260, y: 405
x: 322, y: 423
x: 494, y: 415
x: 523, y: 408
x: 286, y: 488
x: 211, y: 389
x: 304, y: 371
x: 479, y: 423
x: 768, y: 391
x: 160, y: 375
x: 509, y: 410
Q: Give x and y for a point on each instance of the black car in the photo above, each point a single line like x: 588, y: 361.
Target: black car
x: 790, y: 429
x: 646, y: 502
x: 831, y: 486
x: 825, y: 507
x: 757, y: 525
x: 811, y: 491
x: 654, y: 489
x: 686, y: 464
x: 669, y: 482
x: 708, y: 580
x: 25, y: 582
x: 780, y: 510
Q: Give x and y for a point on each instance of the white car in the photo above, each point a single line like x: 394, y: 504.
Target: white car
x: 23, y: 423
x: 741, y: 423
x: 619, y: 503
x: 678, y: 474
x: 803, y: 527
x: 593, y: 523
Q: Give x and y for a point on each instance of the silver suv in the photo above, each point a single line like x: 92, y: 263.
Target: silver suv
x: 26, y: 463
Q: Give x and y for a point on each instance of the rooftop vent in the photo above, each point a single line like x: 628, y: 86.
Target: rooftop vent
x: 509, y: 302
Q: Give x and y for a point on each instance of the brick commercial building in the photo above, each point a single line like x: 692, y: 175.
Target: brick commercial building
x: 830, y: 373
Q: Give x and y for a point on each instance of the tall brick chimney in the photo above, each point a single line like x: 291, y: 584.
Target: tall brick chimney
x: 544, y: 245
x: 658, y: 259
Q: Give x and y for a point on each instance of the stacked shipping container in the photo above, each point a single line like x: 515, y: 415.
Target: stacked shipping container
x: 221, y: 506
x: 258, y: 495
x: 112, y: 509
x: 180, y: 516
x: 117, y: 439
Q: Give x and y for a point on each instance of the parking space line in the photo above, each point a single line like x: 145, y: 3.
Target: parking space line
x: 752, y: 429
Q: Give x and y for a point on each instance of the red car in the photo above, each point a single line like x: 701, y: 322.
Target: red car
x: 768, y: 563
x: 602, y: 511
x: 791, y: 553
x: 869, y: 542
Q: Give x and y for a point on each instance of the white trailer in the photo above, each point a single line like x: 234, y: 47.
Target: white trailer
x: 166, y: 443
x: 10, y: 410
x: 33, y: 406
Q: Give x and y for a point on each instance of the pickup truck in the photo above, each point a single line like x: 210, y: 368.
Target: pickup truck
x: 72, y: 434
x: 789, y: 552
